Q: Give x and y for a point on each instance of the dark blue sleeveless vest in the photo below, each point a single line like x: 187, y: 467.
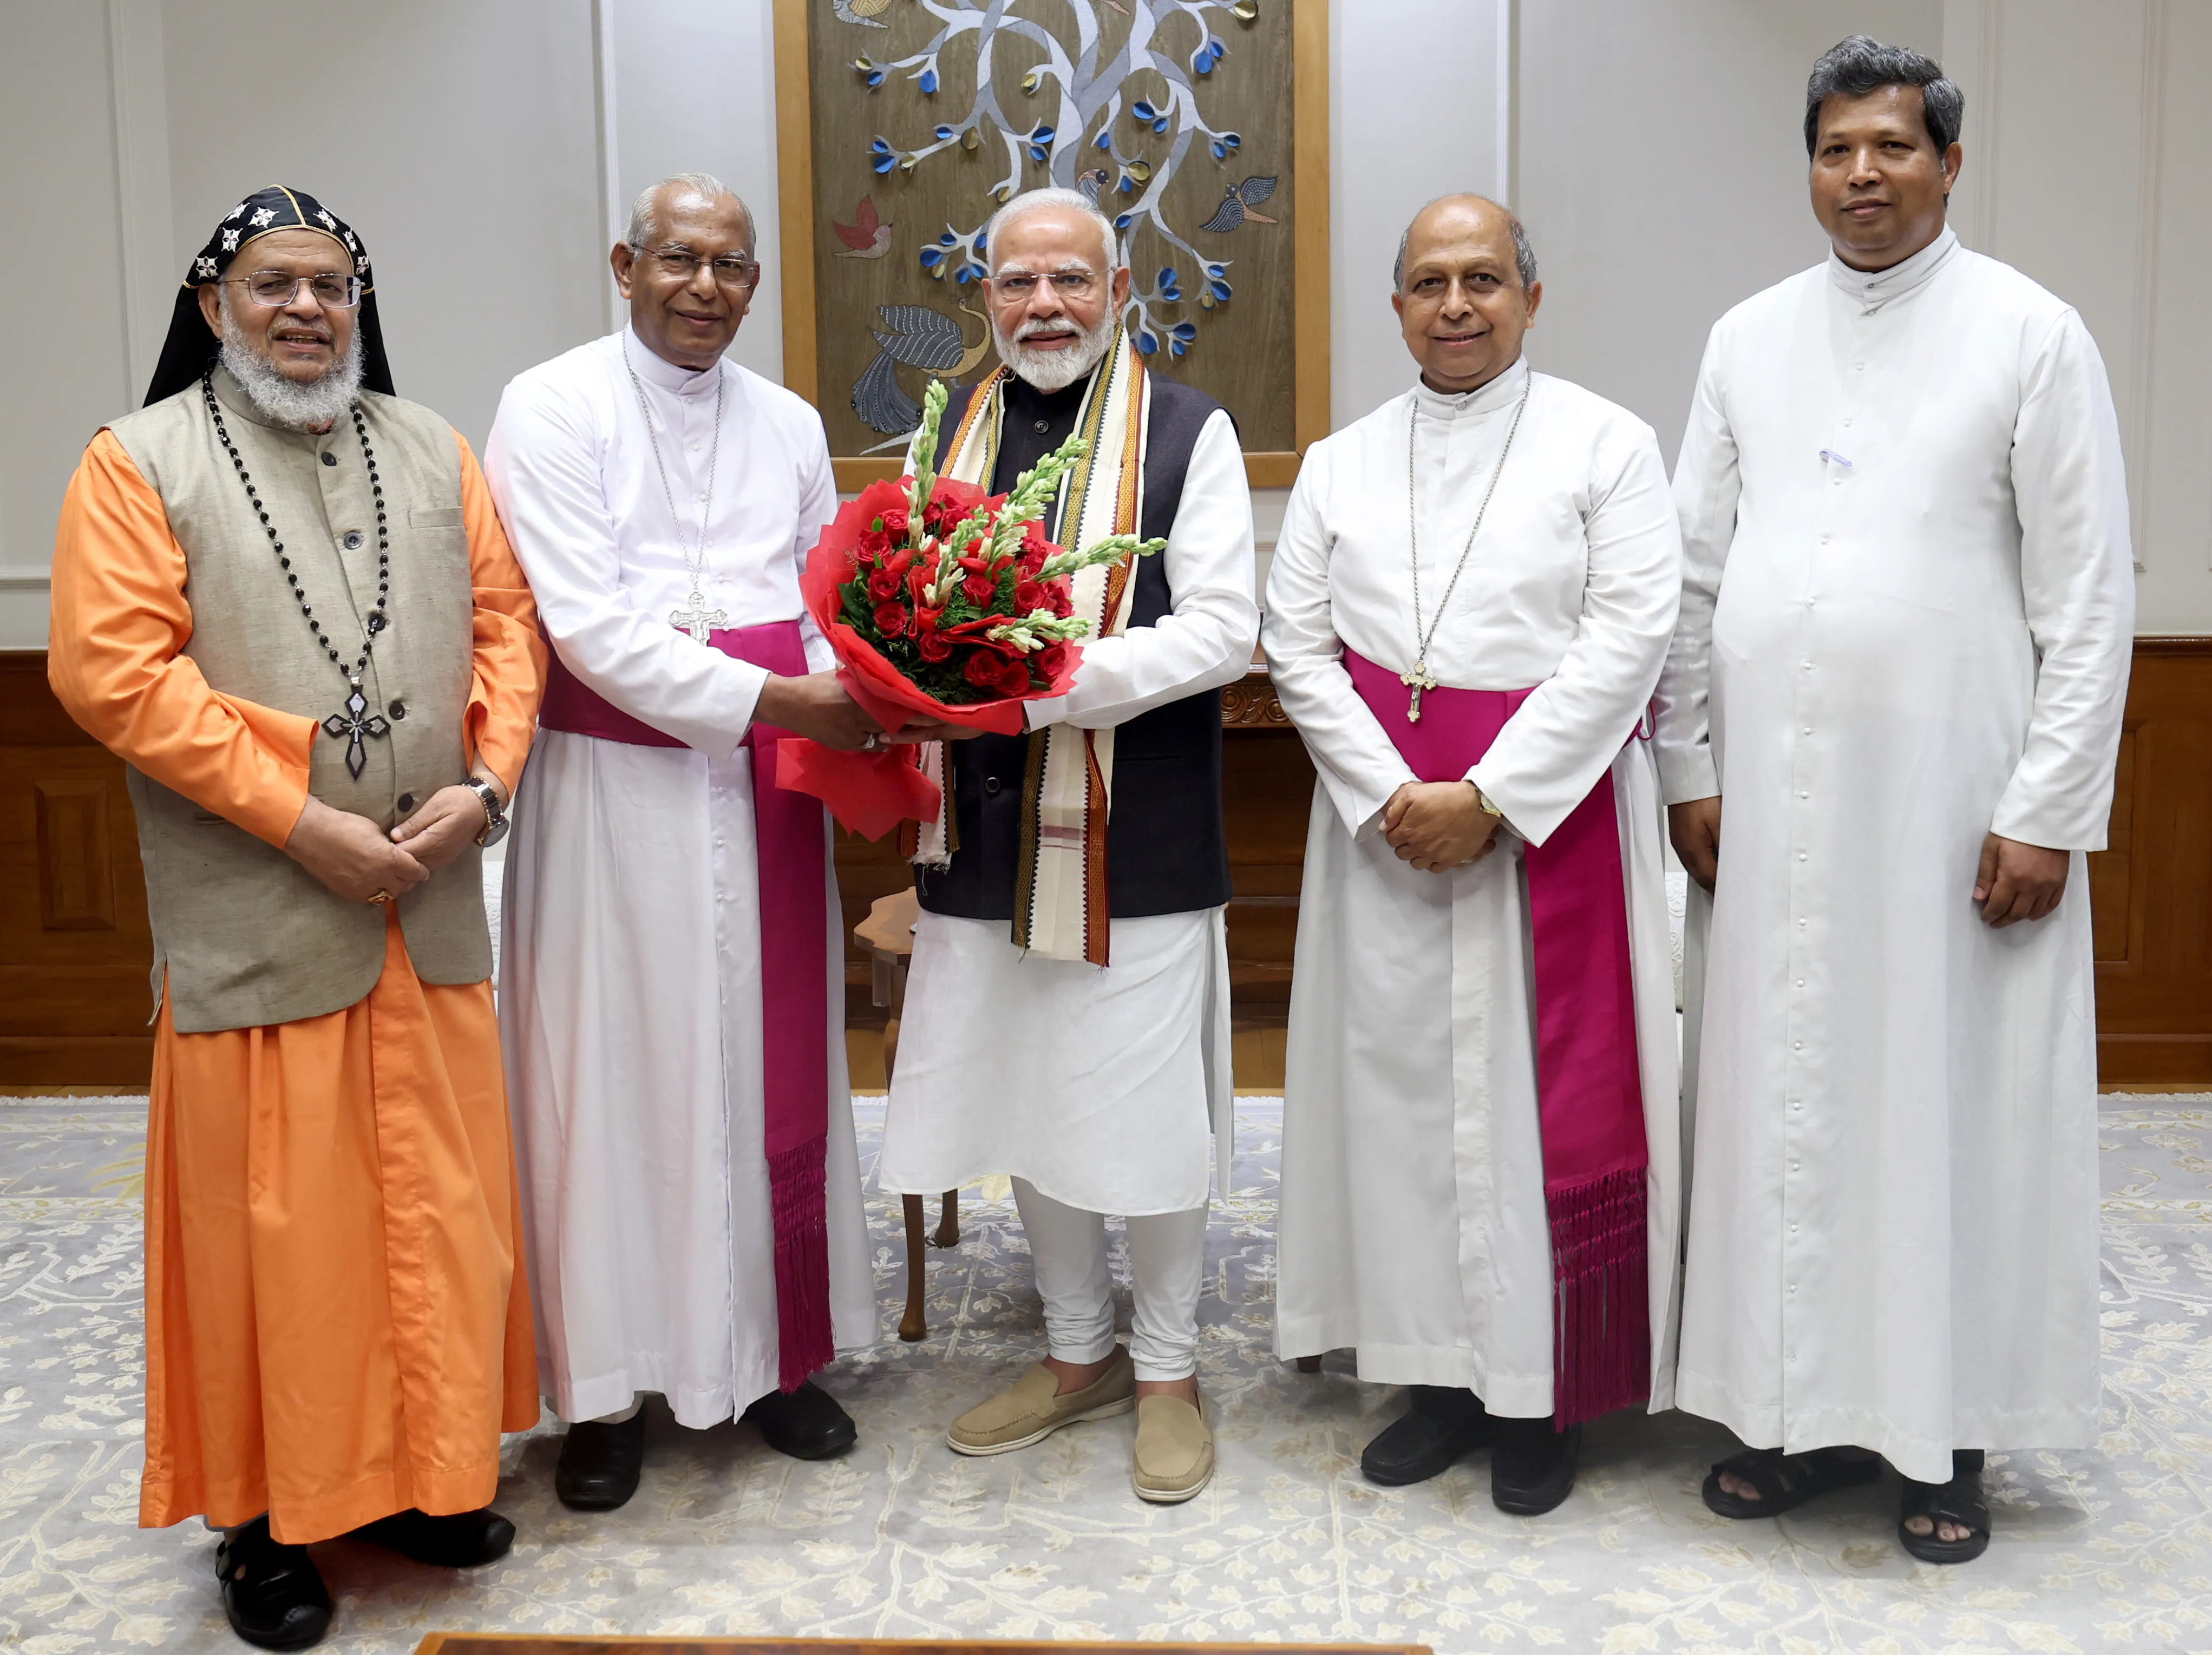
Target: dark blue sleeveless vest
x: 1166, y: 850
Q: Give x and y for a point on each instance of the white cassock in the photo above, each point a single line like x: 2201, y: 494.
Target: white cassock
x: 630, y: 968
x: 1412, y: 1225
x: 1905, y: 624
x: 1126, y: 1070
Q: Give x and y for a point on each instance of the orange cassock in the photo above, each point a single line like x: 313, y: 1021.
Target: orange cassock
x: 337, y: 1323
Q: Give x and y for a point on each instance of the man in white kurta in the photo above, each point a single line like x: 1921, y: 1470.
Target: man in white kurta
x: 1413, y: 1221
x: 1124, y: 1063
x: 1901, y: 665
x: 631, y: 993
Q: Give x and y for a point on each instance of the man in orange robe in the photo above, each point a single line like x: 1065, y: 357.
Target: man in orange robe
x: 282, y: 595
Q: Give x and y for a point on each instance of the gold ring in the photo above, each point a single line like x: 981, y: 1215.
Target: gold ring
x: 381, y: 895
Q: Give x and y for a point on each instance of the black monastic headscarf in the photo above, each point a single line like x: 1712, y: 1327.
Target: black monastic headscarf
x: 192, y: 346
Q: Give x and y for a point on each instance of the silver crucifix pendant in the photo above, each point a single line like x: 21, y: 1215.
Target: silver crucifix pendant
x: 355, y: 722
x: 697, y: 619
x: 1417, y: 681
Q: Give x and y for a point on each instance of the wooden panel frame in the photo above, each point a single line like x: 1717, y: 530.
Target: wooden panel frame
x: 794, y: 146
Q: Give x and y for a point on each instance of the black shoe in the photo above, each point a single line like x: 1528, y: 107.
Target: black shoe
x: 273, y: 1594
x: 806, y: 1423
x: 1442, y: 1426
x: 1532, y: 1468
x: 599, y: 1464
x: 463, y: 1540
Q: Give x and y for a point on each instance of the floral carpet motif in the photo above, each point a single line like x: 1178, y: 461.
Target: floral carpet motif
x: 2095, y: 1550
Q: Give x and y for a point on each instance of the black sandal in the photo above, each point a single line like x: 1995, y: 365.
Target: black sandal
x: 1786, y: 1481
x: 1958, y: 1502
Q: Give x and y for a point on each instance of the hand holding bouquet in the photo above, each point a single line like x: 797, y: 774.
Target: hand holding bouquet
x: 942, y: 603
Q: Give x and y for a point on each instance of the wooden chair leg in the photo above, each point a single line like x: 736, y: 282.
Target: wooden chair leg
x: 948, y: 1220
x: 913, y: 1326
x: 1306, y: 1364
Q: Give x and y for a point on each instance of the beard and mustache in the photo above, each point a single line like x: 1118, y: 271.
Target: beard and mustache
x: 297, y: 405
x: 1055, y: 370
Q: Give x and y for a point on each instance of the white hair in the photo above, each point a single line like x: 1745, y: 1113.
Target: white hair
x: 310, y: 405
x: 644, y: 226
x: 1031, y: 201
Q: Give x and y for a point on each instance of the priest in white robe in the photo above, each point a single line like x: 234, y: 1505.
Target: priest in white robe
x: 671, y: 983
x: 1122, y: 1004
x: 1906, y: 621
x: 1466, y: 613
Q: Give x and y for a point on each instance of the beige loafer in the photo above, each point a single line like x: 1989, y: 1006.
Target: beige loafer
x: 1174, y: 1456
x: 1033, y: 1410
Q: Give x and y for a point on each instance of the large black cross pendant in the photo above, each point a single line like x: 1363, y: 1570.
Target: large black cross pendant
x: 355, y: 722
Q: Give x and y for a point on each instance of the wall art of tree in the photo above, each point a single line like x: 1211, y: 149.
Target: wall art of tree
x: 1174, y: 115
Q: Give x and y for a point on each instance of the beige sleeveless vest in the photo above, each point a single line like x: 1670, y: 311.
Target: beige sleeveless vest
x: 245, y: 937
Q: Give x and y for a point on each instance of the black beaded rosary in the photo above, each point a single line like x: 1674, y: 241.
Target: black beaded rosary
x: 356, y: 721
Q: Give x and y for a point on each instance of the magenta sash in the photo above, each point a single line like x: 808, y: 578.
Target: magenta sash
x: 792, y: 867
x: 1590, y: 1094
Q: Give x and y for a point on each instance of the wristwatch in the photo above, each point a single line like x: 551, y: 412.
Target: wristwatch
x: 495, y: 827
x: 1483, y: 799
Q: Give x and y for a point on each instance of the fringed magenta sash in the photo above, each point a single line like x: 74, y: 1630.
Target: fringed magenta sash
x: 1589, y: 1097
x: 794, y: 920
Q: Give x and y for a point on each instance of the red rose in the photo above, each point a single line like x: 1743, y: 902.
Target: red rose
x: 979, y: 588
x: 982, y: 670
x: 883, y: 583
x: 894, y: 521
x: 1014, y: 678
x: 874, y: 542
x: 1062, y: 605
x: 892, y: 620
x: 933, y: 645
x: 1050, y: 660
x: 1028, y: 594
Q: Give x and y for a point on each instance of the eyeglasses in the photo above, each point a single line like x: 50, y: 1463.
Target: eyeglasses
x: 275, y: 290
x: 734, y: 274
x: 1067, y: 284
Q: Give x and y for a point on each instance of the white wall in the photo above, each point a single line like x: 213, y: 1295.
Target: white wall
x: 487, y: 150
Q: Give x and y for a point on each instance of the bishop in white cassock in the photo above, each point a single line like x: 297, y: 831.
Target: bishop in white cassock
x: 662, y: 501
x: 1903, y: 656
x: 1434, y: 1103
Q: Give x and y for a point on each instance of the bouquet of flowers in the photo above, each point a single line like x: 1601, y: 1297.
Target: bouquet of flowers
x: 945, y: 602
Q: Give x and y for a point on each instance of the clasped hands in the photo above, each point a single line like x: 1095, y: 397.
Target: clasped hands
x: 353, y: 856
x: 2015, y: 881
x: 1438, y: 826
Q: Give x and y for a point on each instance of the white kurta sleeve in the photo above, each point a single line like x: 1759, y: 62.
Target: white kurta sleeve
x: 1356, y: 760
x: 1207, y: 640
x: 542, y: 465
x: 1707, y: 485
x: 2077, y: 580
x: 1569, y: 732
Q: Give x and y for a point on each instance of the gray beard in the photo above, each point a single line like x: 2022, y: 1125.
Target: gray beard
x: 312, y: 406
x: 1056, y: 370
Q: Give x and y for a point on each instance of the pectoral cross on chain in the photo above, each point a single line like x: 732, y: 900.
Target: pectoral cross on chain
x: 698, y: 620
x: 1417, y: 681
x: 355, y: 722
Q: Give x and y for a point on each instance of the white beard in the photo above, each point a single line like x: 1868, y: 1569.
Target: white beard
x: 1055, y: 370
x: 314, y: 405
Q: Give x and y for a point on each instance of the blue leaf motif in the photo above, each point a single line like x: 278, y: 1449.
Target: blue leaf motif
x: 930, y: 256
x: 1141, y: 110
x: 1145, y: 342
x: 929, y: 81
x: 1122, y: 221
x: 1104, y: 141
x: 945, y: 135
x: 1219, y: 289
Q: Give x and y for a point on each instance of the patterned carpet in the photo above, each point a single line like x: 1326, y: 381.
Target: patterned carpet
x: 2095, y: 1550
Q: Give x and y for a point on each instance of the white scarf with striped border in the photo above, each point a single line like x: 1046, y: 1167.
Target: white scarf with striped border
x: 1060, y: 879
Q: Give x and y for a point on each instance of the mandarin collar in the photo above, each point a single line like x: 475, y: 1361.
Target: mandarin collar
x: 1503, y: 392
x: 672, y: 377
x: 1045, y: 405
x: 1875, y: 288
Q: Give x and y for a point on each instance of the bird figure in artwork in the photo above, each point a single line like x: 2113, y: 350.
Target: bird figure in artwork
x: 867, y: 236
x: 865, y: 12
x: 1090, y: 182
x: 1238, y: 204
x: 917, y: 337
